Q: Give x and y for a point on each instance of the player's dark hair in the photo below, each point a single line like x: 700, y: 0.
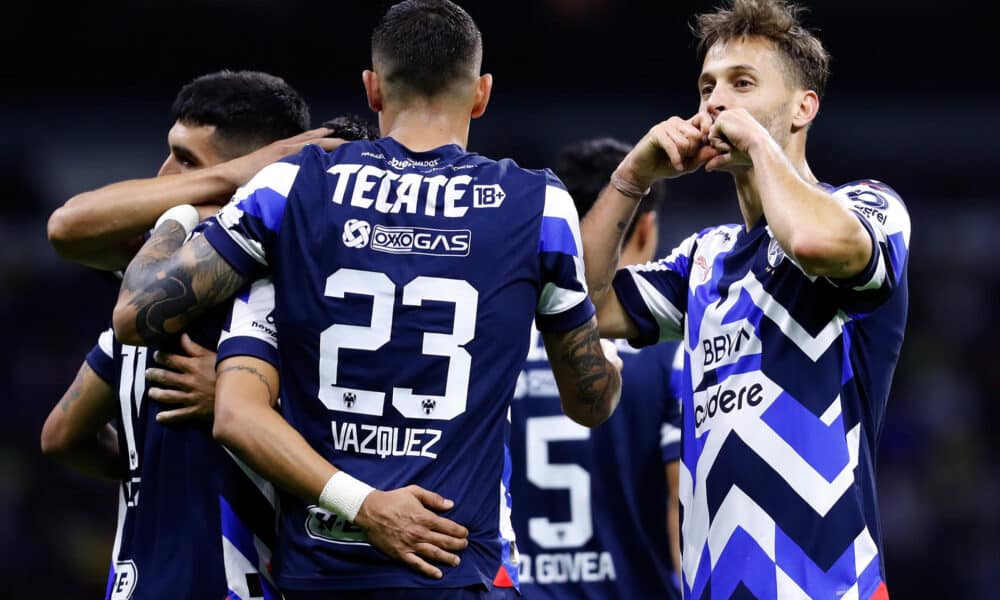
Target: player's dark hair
x: 424, y: 46
x: 249, y: 109
x: 352, y: 127
x: 806, y: 60
x: 586, y: 167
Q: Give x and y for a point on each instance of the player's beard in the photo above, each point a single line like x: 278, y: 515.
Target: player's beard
x: 778, y: 123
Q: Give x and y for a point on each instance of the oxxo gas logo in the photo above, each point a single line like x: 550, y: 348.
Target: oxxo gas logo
x: 356, y: 233
x: 422, y: 240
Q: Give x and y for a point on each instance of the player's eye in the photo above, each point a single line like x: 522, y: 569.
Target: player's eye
x: 743, y: 83
x: 706, y: 91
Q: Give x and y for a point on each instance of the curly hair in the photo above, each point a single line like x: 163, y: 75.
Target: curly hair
x: 806, y: 60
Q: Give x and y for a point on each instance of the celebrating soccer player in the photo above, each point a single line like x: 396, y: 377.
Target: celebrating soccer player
x: 186, y: 534
x: 407, y: 272
x: 792, y: 321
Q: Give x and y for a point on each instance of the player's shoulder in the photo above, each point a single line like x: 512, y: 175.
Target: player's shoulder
x: 870, y: 192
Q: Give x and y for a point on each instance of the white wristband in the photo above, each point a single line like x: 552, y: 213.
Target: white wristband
x: 343, y: 495
x: 185, y: 214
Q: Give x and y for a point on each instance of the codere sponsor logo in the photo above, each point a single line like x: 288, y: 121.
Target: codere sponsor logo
x: 724, y: 401
x: 421, y: 240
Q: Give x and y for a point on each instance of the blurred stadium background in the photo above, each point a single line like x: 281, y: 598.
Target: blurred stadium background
x: 913, y: 101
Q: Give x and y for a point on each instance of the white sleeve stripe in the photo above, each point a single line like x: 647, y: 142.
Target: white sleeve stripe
x: 252, y: 248
x: 559, y: 204
x: 554, y: 299
x: 667, y: 316
x: 278, y: 176
x: 106, y: 342
x: 669, y: 434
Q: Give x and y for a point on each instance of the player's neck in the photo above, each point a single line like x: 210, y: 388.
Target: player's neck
x: 748, y: 190
x: 425, y: 127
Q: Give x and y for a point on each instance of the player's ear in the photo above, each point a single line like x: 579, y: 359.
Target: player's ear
x: 806, y: 108
x: 373, y: 89
x: 484, y: 86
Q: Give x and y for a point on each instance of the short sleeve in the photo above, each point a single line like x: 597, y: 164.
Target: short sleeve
x: 248, y: 226
x: 884, y: 216
x: 101, y: 357
x: 654, y: 295
x: 250, y: 328
x: 563, y: 303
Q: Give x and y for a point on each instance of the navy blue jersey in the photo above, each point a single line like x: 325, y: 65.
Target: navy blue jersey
x: 193, y: 521
x: 590, y: 504
x: 785, y: 384
x: 405, y: 287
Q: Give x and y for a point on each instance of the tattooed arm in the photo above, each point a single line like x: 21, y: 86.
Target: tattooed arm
x: 77, y: 433
x: 589, y: 384
x: 168, y: 285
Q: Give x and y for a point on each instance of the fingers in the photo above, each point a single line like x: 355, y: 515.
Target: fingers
x: 176, y: 362
x: 309, y: 135
x: 192, y: 347
x: 667, y: 144
x: 420, y: 565
x: 432, y: 552
x: 445, y: 541
x: 171, y: 396
x: 431, y: 500
x: 178, y: 414
x: 329, y: 144
x: 447, y: 527
x: 168, y: 378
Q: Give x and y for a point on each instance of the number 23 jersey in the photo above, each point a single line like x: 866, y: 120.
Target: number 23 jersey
x: 405, y: 286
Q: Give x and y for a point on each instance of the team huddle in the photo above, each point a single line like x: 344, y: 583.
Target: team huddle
x: 359, y: 362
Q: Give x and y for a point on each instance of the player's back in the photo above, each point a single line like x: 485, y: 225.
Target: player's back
x: 590, y: 505
x: 406, y: 284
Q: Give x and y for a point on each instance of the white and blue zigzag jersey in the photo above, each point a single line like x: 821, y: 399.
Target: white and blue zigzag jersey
x: 785, y: 386
x: 405, y: 286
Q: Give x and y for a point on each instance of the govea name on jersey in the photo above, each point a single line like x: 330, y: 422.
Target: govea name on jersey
x: 193, y: 521
x: 405, y: 286
x: 786, y: 379
x: 590, y: 504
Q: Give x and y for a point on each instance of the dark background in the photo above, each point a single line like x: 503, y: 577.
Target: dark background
x: 912, y: 101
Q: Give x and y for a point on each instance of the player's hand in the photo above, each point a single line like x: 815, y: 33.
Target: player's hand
x: 732, y: 134
x: 670, y: 149
x: 611, y: 353
x: 240, y: 170
x: 403, y: 524
x: 187, y: 382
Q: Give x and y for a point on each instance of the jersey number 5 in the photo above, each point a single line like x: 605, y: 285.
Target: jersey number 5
x: 378, y: 333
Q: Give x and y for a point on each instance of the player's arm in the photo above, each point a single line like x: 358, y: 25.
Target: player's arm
x: 103, y: 228
x: 589, y: 384
x: 823, y: 236
x: 670, y: 149
x: 402, y: 523
x: 168, y: 285
x: 672, y: 470
x: 77, y: 432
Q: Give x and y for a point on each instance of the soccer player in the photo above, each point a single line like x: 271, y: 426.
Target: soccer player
x: 792, y: 321
x: 590, y: 505
x: 198, y: 509
x: 407, y: 272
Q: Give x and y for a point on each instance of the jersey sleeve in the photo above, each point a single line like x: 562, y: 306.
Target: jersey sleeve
x: 250, y: 329
x: 248, y: 226
x: 654, y: 295
x: 101, y: 357
x: 670, y: 431
x: 882, y: 213
x: 563, y: 303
